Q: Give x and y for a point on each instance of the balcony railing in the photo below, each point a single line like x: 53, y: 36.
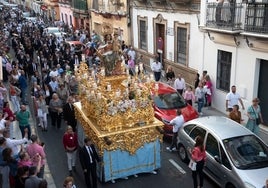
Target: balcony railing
x: 257, y: 18
x: 80, y: 5
x: 225, y: 16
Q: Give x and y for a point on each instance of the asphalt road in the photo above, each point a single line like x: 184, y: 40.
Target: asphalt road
x: 167, y: 176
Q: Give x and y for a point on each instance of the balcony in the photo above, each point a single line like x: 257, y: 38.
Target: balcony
x: 257, y: 18
x: 80, y: 5
x: 224, y: 16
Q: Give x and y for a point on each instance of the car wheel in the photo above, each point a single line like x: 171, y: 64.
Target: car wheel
x: 183, y: 153
x: 229, y: 185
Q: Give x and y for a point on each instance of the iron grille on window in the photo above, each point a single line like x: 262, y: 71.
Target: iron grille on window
x: 224, y: 15
x: 181, y: 45
x: 224, y: 70
x: 143, y: 35
x: 257, y: 18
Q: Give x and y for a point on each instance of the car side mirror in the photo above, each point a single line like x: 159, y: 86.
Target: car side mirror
x: 217, y: 158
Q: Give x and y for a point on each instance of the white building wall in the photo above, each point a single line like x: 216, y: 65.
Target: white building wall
x: 244, y: 70
x: 203, y: 54
x: 196, y: 37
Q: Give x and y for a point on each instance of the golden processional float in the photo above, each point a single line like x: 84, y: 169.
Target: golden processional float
x: 116, y: 112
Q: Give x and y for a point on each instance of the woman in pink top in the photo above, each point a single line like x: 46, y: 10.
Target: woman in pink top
x: 199, y: 156
x: 189, y: 95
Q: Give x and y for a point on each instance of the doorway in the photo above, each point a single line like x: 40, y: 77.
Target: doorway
x: 160, y: 33
x: 263, y: 89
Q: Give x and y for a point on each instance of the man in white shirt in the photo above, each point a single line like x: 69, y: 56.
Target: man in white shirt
x: 3, y: 123
x: 156, y: 68
x: 232, y: 99
x: 15, y: 144
x: 177, y: 123
x: 179, y: 84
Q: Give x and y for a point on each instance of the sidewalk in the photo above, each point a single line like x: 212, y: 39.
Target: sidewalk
x: 213, y: 112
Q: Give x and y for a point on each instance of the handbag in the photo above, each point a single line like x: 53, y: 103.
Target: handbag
x: 192, y: 165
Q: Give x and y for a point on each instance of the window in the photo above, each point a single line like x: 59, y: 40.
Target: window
x: 224, y: 70
x: 143, y: 34
x: 181, y: 43
x: 212, y: 146
x: 197, y: 131
x: 224, y: 159
x: 188, y: 128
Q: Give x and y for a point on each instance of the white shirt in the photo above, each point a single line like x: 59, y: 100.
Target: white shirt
x: 200, y: 93
x: 156, y: 67
x: 53, y: 73
x: 232, y: 99
x: 2, y: 126
x: 179, y: 83
x: 177, y: 123
x: 13, y: 144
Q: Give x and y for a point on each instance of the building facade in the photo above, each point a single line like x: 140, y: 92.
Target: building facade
x: 236, y: 49
x: 169, y: 29
x: 229, y: 39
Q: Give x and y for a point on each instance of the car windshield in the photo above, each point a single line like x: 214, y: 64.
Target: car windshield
x: 169, y: 101
x: 247, y: 152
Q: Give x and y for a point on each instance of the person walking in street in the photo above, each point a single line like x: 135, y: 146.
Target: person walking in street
x: 55, y: 106
x: 88, y: 159
x: 10, y: 117
x: 177, y: 122
x: 70, y: 143
x: 198, y: 155
x: 179, y: 84
x: 23, y: 87
x: 35, y: 149
x: 232, y: 99
x: 33, y: 180
x: 200, y: 93
x: 170, y: 75
x: 235, y: 114
x: 15, y: 144
x: 189, y: 96
x: 69, y: 113
x: 14, y: 93
x: 42, y: 112
x: 23, y: 118
x: 156, y: 68
x: 69, y: 182
x: 254, y: 116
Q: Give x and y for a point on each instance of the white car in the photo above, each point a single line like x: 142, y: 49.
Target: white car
x: 236, y: 158
x: 51, y: 30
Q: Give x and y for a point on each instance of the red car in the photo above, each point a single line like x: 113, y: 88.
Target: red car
x: 166, y: 102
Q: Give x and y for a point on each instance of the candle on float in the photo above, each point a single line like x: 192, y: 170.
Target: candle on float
x: 93, y: 74
x: 141, y: 67
x: 135, y: 85
x: 95, y: 85
x: 109, y: 87
x: 117, y: 93
x: 103, y: 72
x: 138, y: 92
x: 99, y: 95
x: 148, y: 79
x: 93, y: 93
x: 136, y: 69
x: 83, y: 57
x: 127, y: 91
x: 127, y: 71
x: 156, y: 86
x: 152, y: 77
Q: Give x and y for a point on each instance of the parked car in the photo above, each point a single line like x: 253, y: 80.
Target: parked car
x: 166, y: 102
x: 51, y: 30
x: 236, y: 158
